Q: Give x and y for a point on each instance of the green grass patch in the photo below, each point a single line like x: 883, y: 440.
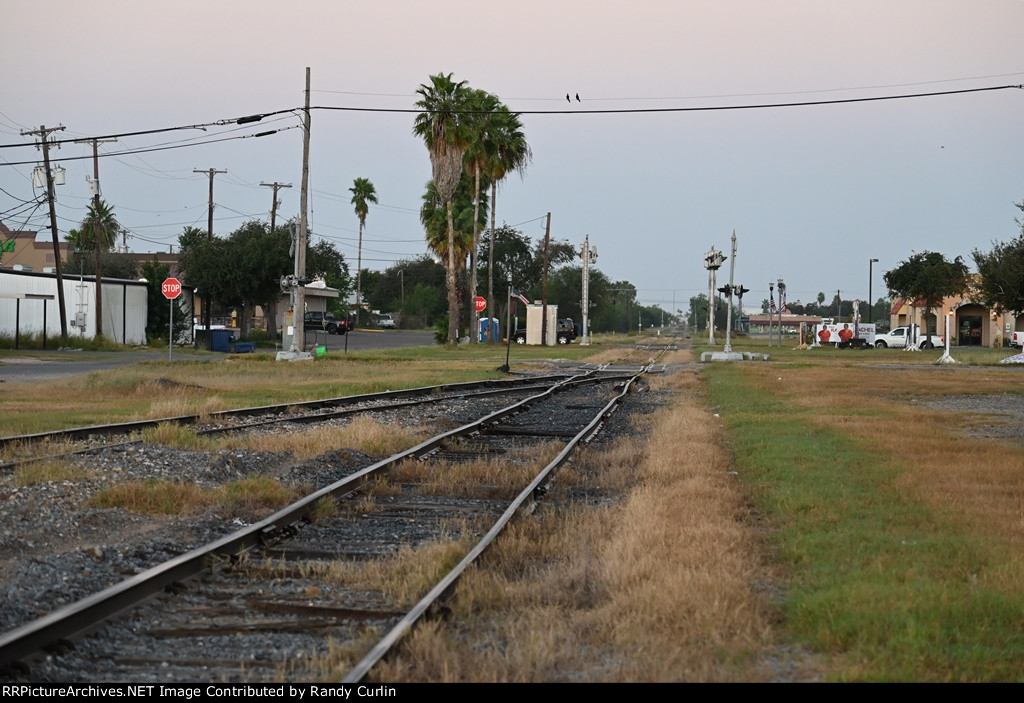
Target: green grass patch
x: 887, y: 585
x: 47, y: 471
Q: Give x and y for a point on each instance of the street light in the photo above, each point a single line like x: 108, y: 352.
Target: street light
x: 871, y: 301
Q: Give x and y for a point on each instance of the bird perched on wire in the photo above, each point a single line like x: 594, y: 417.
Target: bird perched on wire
x: 567, y: 98
x: 577, y: 97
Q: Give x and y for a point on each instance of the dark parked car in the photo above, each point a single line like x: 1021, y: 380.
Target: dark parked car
x: 325, y: 321
x: 567, y: 330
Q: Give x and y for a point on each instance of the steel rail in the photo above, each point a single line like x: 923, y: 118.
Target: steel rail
x: 309, y: 418
x: 75, y: 433
x: 447, y: 584
x: 59, y: 627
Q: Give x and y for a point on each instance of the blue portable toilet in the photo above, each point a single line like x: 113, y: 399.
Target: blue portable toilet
x: 485, y: 325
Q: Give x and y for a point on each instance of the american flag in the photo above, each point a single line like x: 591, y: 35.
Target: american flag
x: 771, y: 304
x: 519, y: 296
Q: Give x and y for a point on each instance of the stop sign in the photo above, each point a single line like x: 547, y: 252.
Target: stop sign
x: 171, y: 288
x: 481, y: 303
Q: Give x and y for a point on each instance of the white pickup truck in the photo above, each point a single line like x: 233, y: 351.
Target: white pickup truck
x: 1017, y: 340
x: 898, y: 338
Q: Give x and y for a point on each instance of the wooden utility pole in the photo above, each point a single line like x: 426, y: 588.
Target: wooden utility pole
x: 211, y: 172
x: 273, y: 210
x: 544, y: 287
x: 300, y: 244
x: 96, y: 225
x: 43, y: 132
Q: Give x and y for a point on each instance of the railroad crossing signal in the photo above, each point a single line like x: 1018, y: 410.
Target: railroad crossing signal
x: 171, y: 288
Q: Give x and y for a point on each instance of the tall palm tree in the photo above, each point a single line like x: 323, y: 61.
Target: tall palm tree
x: 363, y: 193
x: 98, y: 232
x: 480, y: 107
x: 442, y: 125
x: 99, y: 218
x: 510, y: 153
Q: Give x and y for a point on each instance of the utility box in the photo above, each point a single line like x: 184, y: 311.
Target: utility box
x: 535, y: 323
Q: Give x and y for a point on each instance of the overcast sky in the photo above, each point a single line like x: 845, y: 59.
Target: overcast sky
x: 813, y: 192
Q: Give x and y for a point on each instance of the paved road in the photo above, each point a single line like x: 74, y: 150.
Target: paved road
x: 37, y: 365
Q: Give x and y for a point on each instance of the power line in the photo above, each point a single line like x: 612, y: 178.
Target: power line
x: 161, y: 148
x: 704, y: 108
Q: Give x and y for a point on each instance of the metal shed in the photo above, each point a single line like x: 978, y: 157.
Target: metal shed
x: 28, y: 302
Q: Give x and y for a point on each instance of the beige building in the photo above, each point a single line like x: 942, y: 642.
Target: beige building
x: 20, y: 250
x: 970, y: 323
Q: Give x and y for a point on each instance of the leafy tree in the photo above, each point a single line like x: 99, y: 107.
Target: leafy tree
x: 158, y: 308
x: 1001, y: 272
x: 363, y: 193
x: 111, y: 265
x: 926, y: 279
x: 394, y: 287
x: 698, y: 316
x: 443, y: 127
x: 244, y: 269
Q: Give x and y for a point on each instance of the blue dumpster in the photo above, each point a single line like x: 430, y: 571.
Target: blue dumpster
x: 222, y: 340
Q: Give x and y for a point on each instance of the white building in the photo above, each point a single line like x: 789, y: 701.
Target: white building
x: 29, y: 305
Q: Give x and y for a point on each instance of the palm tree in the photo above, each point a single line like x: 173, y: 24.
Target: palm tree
x: 434, y: 218
x: 444, y: 130
x: 510, y: 153
x: 482, y: 148
x: 98, y: 232
x: 363, y: 193
x: 99, y: 218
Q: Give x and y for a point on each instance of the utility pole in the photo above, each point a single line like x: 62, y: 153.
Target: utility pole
x: 713, y: 260
x: 544, y: 291
x: 728, y: 316
x: 211, y: 172
x: 589, y: 256
x: 273, y: 210
x: 96, y: 225
x: 294, y: 283
x: 43, y: 132
x: 782, y: 304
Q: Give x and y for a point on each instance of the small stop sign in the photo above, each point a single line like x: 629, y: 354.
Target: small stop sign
x: 481, y: 304
x: 171, y: 288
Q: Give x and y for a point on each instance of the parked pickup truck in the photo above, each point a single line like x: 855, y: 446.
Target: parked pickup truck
x: 1017, y: 340
x: 325, y: 321
x: 898, y: 338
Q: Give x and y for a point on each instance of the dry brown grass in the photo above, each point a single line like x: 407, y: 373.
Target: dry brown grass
x: 657, y: 587
x: 405, y: 576
x: 363, y: 434
x: 248, y: 498
x: 183, y: 402
x: 503, y: 476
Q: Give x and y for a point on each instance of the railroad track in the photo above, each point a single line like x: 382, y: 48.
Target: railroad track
x: 261, y: 603
x: 224, y: 421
